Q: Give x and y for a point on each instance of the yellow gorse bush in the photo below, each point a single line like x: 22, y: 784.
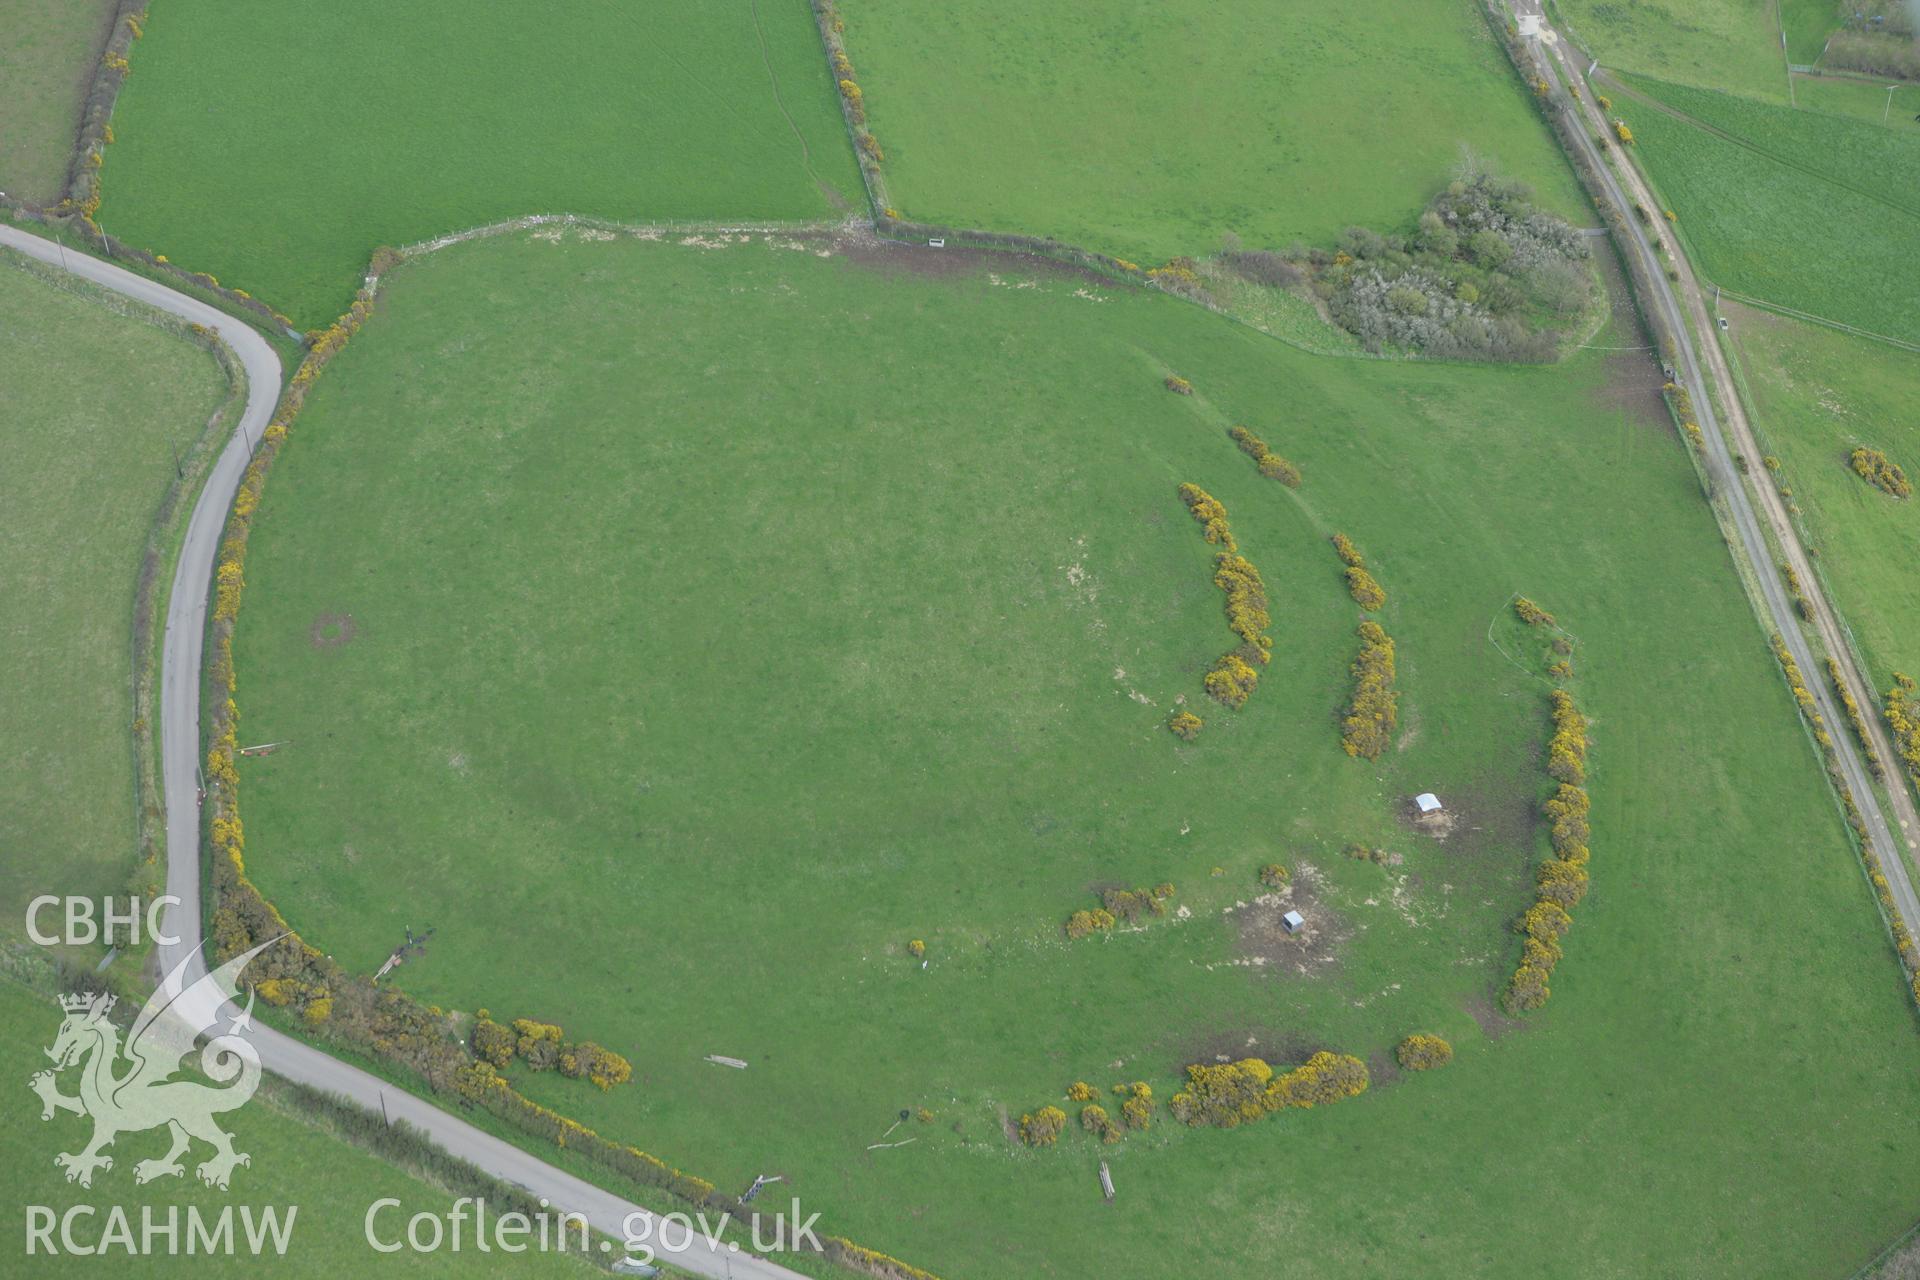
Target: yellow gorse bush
x: 1367, y: 729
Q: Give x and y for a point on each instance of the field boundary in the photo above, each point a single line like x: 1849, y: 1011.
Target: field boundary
x: 96, y: 109
x: 828, y: 22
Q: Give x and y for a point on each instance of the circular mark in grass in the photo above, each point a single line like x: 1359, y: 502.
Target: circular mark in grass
x: 331, y: 630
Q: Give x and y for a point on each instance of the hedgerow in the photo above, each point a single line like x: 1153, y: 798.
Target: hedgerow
x: 1131, y: 904
x: 1903, y: 717
x: 1567, y: 748
x: 1367, y: 730
x: 1861, y: 733
x: 1246, y: 601
x: 1423, y: 1052
x: 1801, y: 604
x: 1211, y: 515
x: 1232, y: 679
x: 1228, y: 1095
x: 1270, y: 464
x: 1881, y: 472
x: 1082, y: 924
x: 1907, y: 743
x: 1366, y: 592
x: 1043, y: 1127
x: 1561, y: 881
x: 1530, y: 613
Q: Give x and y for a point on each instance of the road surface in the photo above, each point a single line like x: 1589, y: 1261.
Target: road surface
x: 1689, y: 317
x: 180, y: 748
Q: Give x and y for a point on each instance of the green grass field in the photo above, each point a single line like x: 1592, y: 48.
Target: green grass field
x: 294, y: 1164
x: 1883, y: 163
x: 1820, y: 395
x: 1806, y: 24
x: 1799, y: 208
x: 276, y: 148
x: 1865, y: 99
x: 99, y: 398
x: 681, y: 630
x: 1149, y: 132
x: 47, y: 61
x: 1723, y: 44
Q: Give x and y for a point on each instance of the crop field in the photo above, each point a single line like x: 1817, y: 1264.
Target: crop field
x: 97, y: 401
x: 1820, y: 395
x: 46, y: 63
x: 1722, y: 44
x: 1151, y: 131
x: 277, y: 158
x: 294, y: 1164
x: 1768, y: 216
x: 681, y: 627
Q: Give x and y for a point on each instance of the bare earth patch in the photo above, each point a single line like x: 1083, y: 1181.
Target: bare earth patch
x: 332, y: 630
x: 1485, y: 1010
x: 1264, y: 943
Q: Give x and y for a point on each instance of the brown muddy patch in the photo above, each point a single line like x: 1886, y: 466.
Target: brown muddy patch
x: 1484, y: 831
x: 1484, y: 1009
x: 1262, y: 943
x: 332, y: 630
x: 917, y: 258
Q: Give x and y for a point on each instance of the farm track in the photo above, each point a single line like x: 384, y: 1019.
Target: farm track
x: 1683, y: 306
x: 186, y: 623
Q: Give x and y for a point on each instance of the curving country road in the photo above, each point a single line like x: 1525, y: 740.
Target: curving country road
x: 1684, y: 308
x: 180, y: 748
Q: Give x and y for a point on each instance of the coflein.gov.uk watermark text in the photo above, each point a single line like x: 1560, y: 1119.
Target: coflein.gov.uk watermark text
x: 469, y: 1224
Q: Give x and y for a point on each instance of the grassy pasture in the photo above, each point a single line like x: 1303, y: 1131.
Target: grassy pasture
x: 98, y: 399
x: 1878, y: 162
x: 1787, y: 225
x: 1723, y: 44
x: 1806, y: 25
x: 1864, y: 99
x: 47, y: 60
x: 683, y: 628
x: 1820, y: 395
x: 277, y: 145
x: 1149, y: 131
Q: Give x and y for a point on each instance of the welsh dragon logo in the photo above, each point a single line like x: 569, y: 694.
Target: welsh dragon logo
x: 127, y: 1088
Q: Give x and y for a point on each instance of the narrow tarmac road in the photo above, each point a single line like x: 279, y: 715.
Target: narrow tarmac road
x: 1686, y: 313
x: 180, y: 748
